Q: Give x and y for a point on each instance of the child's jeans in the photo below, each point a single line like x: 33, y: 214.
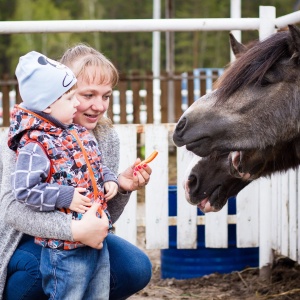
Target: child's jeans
x: 82, y: 273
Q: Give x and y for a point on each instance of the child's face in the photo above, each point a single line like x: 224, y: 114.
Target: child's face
x: 64, y: 108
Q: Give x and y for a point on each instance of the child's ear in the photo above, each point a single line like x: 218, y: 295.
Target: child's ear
x: 47, y: 110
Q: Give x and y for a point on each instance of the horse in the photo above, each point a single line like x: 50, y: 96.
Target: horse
x: 249, y: 126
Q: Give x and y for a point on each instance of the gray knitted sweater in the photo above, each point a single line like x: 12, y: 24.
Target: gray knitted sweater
x: 16, y: 218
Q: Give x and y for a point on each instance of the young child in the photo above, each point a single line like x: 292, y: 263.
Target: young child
x: 59, y: 167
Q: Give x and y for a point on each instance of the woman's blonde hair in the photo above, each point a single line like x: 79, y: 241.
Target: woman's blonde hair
x: 81, y: 58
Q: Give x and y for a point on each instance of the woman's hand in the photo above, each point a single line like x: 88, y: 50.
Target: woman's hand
x: 134, y: 177
x: 91, y: 230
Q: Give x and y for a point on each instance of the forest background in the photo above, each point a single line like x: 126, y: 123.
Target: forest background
x: 128, y: 51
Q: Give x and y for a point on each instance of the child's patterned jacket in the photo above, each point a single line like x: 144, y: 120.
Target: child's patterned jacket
x: 53, y: 159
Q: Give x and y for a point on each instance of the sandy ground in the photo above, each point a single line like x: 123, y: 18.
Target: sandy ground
x: 284, y: 283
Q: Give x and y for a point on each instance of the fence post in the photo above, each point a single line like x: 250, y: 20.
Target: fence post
x: 164, y: 98
x: 156, y: 194
x: 127, y: 223
x: 5, y: 101
x: 177, y: 96
x: 191, y: 87
x: 135, y: 87
x: 18, y: 96
x: 149, y: 97
x: 122, y: 86
x: 267, y: 15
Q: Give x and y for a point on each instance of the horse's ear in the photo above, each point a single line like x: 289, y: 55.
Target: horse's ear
x: 295, y: 34
x: 237, y: 47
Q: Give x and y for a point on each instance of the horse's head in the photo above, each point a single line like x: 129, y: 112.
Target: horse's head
x: 209, y: 184
x: 253, y: 98
x: 253, y: 116
x: 217, y: 177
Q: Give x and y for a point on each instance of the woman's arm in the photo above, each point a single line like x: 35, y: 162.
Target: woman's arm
x: 117, y: 204
x: 109, y: 145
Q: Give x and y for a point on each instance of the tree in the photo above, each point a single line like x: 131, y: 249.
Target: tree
x: 49, y: 44
x: 7, y: 8
x: 128, y: 51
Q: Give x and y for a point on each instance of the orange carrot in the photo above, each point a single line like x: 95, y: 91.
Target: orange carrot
x: 149, y: 158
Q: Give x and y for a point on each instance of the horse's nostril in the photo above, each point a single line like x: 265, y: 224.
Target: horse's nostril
x: 180, y: 126
x: 193, y: 184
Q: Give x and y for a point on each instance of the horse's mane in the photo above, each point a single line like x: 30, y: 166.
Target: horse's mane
x: 252, y: 66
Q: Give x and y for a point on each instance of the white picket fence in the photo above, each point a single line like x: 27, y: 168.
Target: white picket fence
x: 276, y: 229
x: 267, y: 211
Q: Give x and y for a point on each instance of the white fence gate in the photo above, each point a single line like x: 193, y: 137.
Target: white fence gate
x: 277, y: 197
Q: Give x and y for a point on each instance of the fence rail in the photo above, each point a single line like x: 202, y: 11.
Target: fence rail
x: 134, y: 101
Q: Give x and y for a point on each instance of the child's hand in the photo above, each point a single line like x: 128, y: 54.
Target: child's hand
x: 111, y: 189
x: 79, y: 202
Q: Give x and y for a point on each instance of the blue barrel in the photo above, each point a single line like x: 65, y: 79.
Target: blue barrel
x: 192, y: 263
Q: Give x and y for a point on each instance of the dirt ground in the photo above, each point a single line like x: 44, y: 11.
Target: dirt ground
x: 283, y: 284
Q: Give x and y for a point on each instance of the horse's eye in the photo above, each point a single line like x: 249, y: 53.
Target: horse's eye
x: 264, y: 82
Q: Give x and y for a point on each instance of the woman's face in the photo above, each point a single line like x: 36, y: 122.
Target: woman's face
x: 94, y: 102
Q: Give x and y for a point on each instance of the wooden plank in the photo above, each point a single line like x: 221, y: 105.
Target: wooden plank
x: 186, y: 213
x: 202, y: 83
x: 216, y: 229
x: 265, y: 250
x: 5, y: 103
x: 149, y: 98
x: 122, y: 86
x: 18, y: 96
x: 135, y: 87
x: 284, y: 208
x: 248, y: 216
x: 109, y: 112
x: 164, y: 98
x: 293, y: 238
x: 298, y: 214
x: 156, y: 195
x: 126, y: 226
x: 274, y: 211
x: 279, y: 214
x: 190, y: 89
x: 177, y: 97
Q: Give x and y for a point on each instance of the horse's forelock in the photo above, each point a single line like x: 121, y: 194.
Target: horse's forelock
x: 253, y: 65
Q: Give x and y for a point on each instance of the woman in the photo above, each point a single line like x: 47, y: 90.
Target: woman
x: 130, y: 267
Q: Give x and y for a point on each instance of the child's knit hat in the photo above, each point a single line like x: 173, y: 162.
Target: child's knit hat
x: 42, y: 80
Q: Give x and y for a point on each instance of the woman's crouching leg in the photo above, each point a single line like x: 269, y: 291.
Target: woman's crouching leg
x: 130, y: 268
x: 24, y: 279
